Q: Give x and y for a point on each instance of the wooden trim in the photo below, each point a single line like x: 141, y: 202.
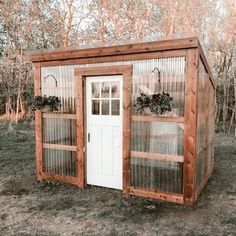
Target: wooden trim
x: 160, y: 136
x: 170, y: 197
x: 126, y: 72
x: 80, y: 131
x: 116, y: 50
x: 102, y: 70
x: 127, y: 94
x: 191, y: 83
x: 60, y: 147
x: 60, y: 116
x: 157, y: 156
x: 115, y: 58
x: 38, y: 123
x: 157, y: 118
x: 61, y: 178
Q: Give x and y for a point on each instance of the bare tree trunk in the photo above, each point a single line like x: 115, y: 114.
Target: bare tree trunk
x: 17, y: 106
x: 231, y: 120
x: 224, y: 108
x: 235, y: 104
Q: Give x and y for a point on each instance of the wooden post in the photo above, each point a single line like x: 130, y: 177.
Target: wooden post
x: 191, y: 84
x: 80, y: 132
x: 127, y: 78
x: 38, y: 123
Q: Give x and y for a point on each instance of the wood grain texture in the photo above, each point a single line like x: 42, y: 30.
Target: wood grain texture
x: 191, y: 83
x: 63, y: 116
x: 176, y: 198
x: 80, y: 131
x: 115, y: 50
x: 55, y: 177
x: 115, y: 58
x: 157, y: 119
x: 157, y: 156
x: 60, y: 147
x: 38, y: 123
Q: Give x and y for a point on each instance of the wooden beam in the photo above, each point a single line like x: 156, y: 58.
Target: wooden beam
x: 115, y: 58
x: 191, y: 83
x: 60, y: 147
x: 59, y: 116
x: 127, y: 94
x: 55, y: 177
x: 80, y: 131
x: 38, y: 123
x: 157, y: 156
x: 60, y: 54
x: 170, y: 197
x: 102, y: 70
x: 156, y: 118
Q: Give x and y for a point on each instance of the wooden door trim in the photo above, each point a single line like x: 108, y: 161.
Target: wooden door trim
x: 80, y: 75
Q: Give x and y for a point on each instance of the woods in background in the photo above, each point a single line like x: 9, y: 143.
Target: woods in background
x: 27, y: 25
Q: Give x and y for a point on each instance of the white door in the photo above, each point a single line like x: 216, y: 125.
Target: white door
x: 104, y: 131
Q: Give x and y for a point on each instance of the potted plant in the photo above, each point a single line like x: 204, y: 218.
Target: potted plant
x: 46, y: 104
x: 143, y: 103
x: 161, y: 103
x: 158, y: 103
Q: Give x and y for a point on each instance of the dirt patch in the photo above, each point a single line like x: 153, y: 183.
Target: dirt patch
x: 29, y: 207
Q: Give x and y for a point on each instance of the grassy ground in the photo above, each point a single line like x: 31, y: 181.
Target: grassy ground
x: 28, y: 207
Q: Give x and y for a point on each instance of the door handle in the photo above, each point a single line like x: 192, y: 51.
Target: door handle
x: 88, y: 137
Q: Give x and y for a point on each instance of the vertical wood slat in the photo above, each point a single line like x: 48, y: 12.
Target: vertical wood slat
x: 207, y: 112
x: 191, y: 83
x: 127, y: 78
x: 80, y: 132
x: 38, y: 123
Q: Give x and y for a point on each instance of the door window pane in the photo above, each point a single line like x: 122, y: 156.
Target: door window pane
x: 95, y: 90
x: 115, y: 89
x: 105, y: 107
x: 115, y: 107
x: 105, y: 89
x: 95, y: 107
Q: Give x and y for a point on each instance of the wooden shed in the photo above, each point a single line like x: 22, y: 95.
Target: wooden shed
x: 101, y: 136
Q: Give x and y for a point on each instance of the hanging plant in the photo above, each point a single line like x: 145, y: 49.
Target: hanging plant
x: 142, y: 102
x: 46, y: 104
x: 158, y: 103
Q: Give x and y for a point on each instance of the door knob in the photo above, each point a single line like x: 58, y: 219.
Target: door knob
x: 88, y: 137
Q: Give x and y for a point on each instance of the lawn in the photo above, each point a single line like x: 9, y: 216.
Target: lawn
x: 29, y: 207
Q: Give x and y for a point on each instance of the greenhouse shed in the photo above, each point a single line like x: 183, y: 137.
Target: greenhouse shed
x: 136, y: 117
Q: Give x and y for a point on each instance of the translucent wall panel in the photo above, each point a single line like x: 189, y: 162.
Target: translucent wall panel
x: 157, y: 137
x: 157, y: 175
x: 149, y: 76
x: 145, y: 79
x: 59, y: 131
x: 59, y: 162
x: 57, y: 82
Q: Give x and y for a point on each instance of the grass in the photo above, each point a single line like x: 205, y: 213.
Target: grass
x: 29, y: 207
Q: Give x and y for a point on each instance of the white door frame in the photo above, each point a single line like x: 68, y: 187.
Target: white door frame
x: 81, y: 74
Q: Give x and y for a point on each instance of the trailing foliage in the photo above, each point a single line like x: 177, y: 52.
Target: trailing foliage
x: 158, y: 103
x: 40, y: 102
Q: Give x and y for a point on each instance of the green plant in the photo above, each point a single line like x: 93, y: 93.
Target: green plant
x: 142, y: 102
x: 158, y: 103
x: 42, y: 101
